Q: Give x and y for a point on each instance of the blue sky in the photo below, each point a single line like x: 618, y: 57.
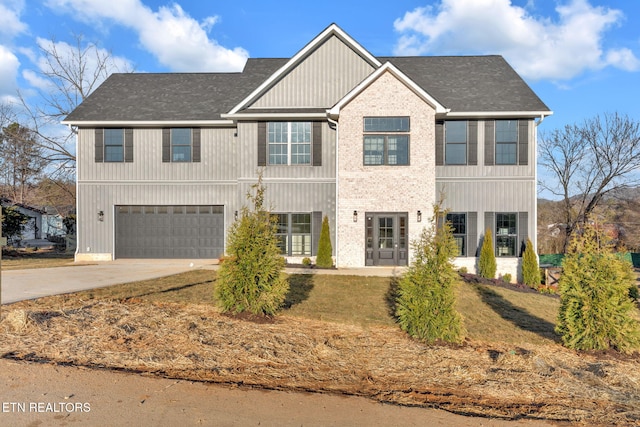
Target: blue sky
x: 582, y: 57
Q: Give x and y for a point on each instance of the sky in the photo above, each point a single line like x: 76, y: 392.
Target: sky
x: 582, y: 57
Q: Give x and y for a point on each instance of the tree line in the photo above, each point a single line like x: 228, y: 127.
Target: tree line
x: 37, y: 153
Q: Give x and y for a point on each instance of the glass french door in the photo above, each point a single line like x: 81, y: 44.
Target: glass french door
x: 386, y: 238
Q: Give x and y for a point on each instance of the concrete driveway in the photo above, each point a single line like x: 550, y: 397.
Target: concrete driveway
x: 18, y: 285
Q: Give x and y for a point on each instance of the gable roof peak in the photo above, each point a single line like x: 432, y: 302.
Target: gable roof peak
x: 333, y: 30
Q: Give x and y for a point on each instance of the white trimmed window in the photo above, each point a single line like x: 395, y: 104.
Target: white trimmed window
x: 289, y: 143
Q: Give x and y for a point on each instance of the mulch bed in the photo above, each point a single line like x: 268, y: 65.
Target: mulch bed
x: 198, y: 343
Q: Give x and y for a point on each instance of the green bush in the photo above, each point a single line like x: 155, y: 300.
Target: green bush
x: 251, y: 278
x: 306, y: 261
x: 530, y: 269
x: 323, y: 259
x: 487, y: 263
x: 13, y: 223
x: 506, y: 278
x: 463, y: 270
x: 596, y: 312
x: 426, y: 299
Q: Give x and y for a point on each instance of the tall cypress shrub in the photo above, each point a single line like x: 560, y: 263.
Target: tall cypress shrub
x: 323, y: 259
x: 530, y: 269
x: 425, y: 304
x: 251, y: 278
x: 487, y: 266
x: 596, y: 312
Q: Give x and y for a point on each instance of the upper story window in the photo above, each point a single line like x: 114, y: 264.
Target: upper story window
x: 114, y: 145
x: 386, y: 141
x: 506, y: 142
x: 455, y: 134
x: 289, y: 143
x: 180, y: 145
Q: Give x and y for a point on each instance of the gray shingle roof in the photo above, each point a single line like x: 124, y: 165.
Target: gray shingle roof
x: 470, y: 83
x: 172, y: 96
x: 461, y: 83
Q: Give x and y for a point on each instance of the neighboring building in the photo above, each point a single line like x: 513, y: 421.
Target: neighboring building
x: 41, y: 224
x: 165, y: 160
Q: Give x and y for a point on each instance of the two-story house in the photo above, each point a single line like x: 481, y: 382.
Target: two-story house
x: 165, y: 160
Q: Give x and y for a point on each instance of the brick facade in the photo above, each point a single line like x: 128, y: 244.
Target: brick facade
x: 383, y: 188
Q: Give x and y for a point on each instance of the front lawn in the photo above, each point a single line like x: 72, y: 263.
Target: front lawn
x: 336, y: 335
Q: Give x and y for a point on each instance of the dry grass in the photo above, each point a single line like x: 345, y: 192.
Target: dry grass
x: 38, y: 259
x: 496, y: 373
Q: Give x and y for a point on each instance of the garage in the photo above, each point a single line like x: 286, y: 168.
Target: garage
x: 179, y: 232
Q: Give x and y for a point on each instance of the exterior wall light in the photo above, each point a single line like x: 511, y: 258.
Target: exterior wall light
x: 419, y: 216
x: 235, y: 215
x: 100, y: 216
x: 355, y: 216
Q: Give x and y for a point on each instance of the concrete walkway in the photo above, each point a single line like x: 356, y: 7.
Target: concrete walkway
x: 18, y: 285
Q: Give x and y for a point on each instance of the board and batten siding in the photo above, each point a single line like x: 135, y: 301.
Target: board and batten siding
x: 480, y: 170
x: 97, y: 237
x: 218, y: 160
x: 321, y: 80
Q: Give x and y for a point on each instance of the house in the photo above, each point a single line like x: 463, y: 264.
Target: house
x: 164, y: 161
x: 42, y: 223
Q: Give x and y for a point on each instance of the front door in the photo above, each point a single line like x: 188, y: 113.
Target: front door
x: 386, y: 238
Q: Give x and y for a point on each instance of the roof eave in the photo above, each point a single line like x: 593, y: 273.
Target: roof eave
x: 146, y: 123
x: 497, y: 114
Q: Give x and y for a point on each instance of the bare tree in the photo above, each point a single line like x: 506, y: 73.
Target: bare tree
x: 21, y: 161
x: 69, y: 73
x: 588, y: 162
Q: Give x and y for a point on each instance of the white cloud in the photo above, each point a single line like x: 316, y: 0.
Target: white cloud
x: 178, y: 41
x: 9, y: 65
x: 538, y: 47
x: 10, y: 23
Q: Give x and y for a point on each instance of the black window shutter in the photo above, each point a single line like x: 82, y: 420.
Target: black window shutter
x: 472, y: 234
x: 128, y: 145
x: 262, y: 143
x: 523, y: 142
x: 166, y: 145
x: 195, y: 135
x: 316, y: 135
x: 523, y: 227
x: 473, y: 143
x: 316, y: 227
x: 99, y: 145
x: 439, y: 143
x: 489, y: 142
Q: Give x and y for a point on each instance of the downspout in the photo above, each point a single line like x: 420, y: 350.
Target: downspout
x: 535, y: 168
x: 75, y: 132
x: 337, y: 246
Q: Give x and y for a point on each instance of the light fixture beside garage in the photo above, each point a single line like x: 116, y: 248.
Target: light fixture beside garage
x: 355, y: 216
x: 100, y: 216
x: 419, y: 216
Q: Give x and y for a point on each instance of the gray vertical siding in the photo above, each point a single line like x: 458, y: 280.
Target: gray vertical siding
x: 226, y: 170
x: 321, y: 80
